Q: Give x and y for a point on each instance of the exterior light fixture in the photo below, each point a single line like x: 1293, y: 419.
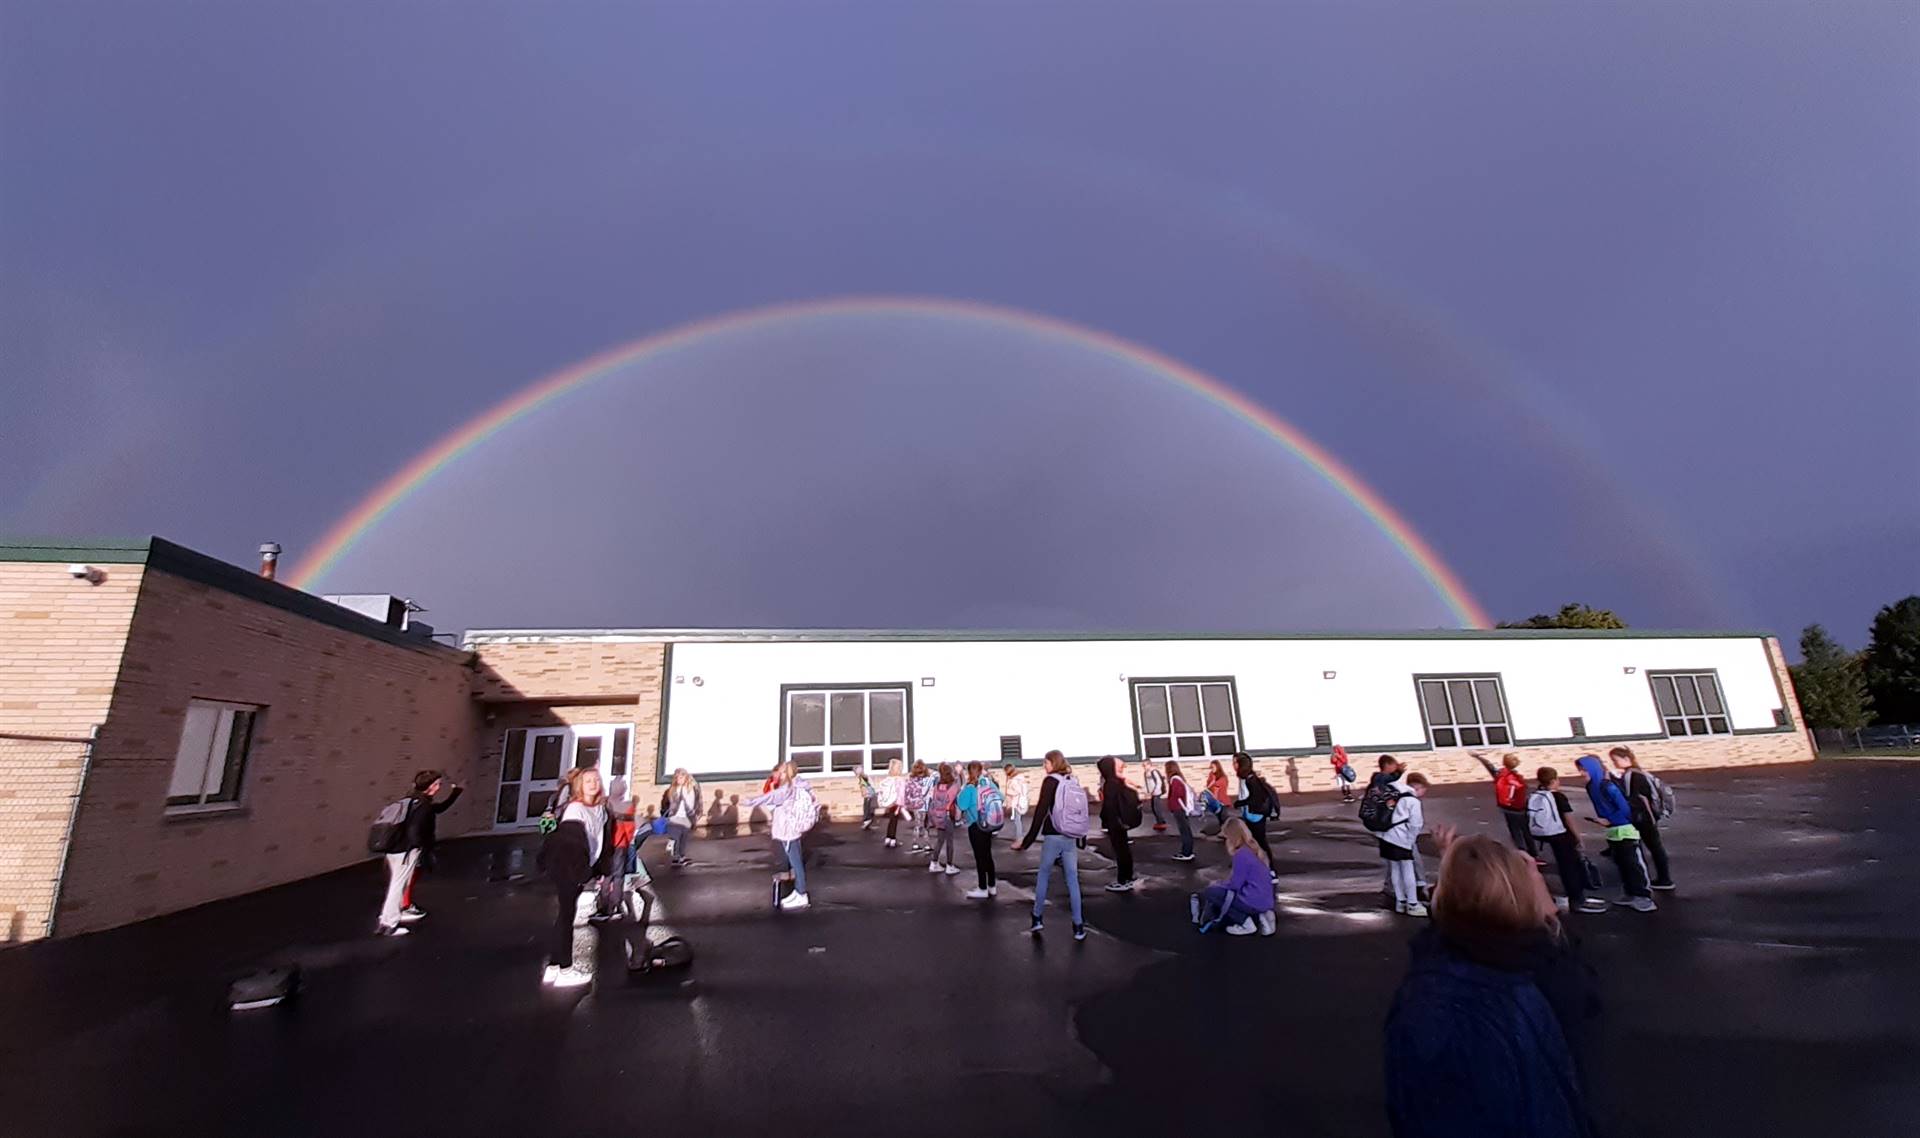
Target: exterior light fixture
x: 926, y: 681
x: 1629, y: 669
x: 1328, y: 675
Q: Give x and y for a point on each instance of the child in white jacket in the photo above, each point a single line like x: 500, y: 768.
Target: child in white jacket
x: 1396, y: 846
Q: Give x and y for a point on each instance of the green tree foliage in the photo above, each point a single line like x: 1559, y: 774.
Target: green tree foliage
x: 1831, y: 684
x: 1892, y: 662
x: 1569, y: 616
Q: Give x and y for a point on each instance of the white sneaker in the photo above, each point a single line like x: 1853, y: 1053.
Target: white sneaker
x: 1416, y: 910
x: 795, y: 901
x: 1268, y: 924
x: 933, y: 867
x: 952, y: 869
x: 552, y: 971
x: 394, y: 930
x: 978, y: 894
x: 571, y: 978
x: 1244, y: 928
x: 993, y: 891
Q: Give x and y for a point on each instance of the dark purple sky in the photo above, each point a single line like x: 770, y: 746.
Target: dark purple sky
x: 1617, y: 303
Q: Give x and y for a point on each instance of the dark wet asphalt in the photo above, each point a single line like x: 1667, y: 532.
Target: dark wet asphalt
x: 1771, y: 995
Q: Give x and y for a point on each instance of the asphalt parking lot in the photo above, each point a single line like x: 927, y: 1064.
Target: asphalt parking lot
x: 1770, y: 995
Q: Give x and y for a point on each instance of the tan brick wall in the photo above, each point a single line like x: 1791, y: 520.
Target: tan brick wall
x: 347, y: 721
x: 60, y: 643
x: 555, y: 684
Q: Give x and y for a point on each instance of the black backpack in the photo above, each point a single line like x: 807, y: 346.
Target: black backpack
x: 1129, y: 806
x: 388, y: 834
x: 1376, y: 806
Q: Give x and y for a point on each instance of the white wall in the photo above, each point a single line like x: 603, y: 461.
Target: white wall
x: 1071, y: 694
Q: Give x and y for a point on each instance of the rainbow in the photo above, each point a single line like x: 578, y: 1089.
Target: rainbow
x: 363, y: 517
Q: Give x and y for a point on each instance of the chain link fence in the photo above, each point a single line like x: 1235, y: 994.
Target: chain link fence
x: 38, y: 803
x: 1883, y: 738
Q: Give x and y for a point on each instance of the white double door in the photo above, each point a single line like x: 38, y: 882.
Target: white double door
x: 533, y: 760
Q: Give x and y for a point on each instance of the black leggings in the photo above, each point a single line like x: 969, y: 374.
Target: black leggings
x: 1122, y: 853
x: 893, y: 822
x: 1573, y: 871
x: 1259, y: 830
x: 982, y: 843
x: 560, y: 948
x: 1521, y: 832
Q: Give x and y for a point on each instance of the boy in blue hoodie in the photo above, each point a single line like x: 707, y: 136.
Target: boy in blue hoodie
x: 1623, y: 841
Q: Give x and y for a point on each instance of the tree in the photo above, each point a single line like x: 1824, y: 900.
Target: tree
x: 1892, y: 662
x: 1831, y: 683
x: 1569, y: 616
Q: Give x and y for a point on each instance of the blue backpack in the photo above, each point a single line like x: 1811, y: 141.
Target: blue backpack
x: 990, y: 809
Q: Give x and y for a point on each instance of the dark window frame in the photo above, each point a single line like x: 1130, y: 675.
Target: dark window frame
x: 1457, y: 730
x: 867, y: 747
x: 1206, y: 733
x: 233, y: 769
x: 1705, y: 717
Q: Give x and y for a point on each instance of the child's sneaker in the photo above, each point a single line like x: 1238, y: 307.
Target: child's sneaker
x: 1664, y: 886
x: 1643, y: 905
x: 1594, y: 905
x: 1244, y: 928
x: 933, y: 867
x: 571, y: 978
x: 1034, y: 929
x: 1079, y: 932
x: 977, y: 894
x: 795, y: 901
x: 552, y: 971
x: 1183, y: 857
x: 1416, y: 910
x: 952, y: 870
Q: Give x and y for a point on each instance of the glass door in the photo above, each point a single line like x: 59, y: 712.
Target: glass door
x: 533, y: 761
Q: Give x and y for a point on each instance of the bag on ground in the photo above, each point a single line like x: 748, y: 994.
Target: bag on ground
x: 1543, y: 815
x: 389, y: 831
x: 671, y: 952
x: 1069, y: 807
x: 264, y: 988
x: 1376, y: 807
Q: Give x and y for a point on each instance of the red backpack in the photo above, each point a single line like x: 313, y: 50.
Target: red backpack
x: 1510, y: 789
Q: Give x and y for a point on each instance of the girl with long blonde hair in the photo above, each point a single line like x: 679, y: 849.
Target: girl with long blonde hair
x: 1244, y: 902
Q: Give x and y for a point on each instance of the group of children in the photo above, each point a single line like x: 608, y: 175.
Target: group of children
x: 1627, y: 804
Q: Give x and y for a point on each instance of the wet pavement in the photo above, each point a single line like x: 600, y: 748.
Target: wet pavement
x: 1770, y: 995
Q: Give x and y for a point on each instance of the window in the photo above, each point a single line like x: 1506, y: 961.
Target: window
x: 1188, y: 719
x: 213, y: 755
x: 1689, y: 703
x: 842, y: 730
x: 1464, y: 711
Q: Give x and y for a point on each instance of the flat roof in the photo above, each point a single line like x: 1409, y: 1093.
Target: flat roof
x: 166, y: 556
x: 861, y: 635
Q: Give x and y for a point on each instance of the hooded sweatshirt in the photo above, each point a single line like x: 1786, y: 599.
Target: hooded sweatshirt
x: 1608, y: 802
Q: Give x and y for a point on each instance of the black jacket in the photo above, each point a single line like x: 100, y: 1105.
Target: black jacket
x: 564, y: 856
x: 421, y: 816
x: 1118, y: 803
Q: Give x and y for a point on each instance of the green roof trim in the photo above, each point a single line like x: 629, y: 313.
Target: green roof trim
x: 105, y: 551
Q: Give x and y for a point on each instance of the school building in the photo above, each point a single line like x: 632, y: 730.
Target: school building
x: 175, y: 729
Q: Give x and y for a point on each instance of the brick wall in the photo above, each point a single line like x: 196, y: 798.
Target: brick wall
x: 60, y: 642
x: 347, y: 719
x: 567, y: 683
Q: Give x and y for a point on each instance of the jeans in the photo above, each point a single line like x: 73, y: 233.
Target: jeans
x: 1633, y: 869
x: 1219, y: 906
x: 1520, y: 832
x: 1017, y: 823
x: 943, y: 845
x: 982, y: 843
x: 400, y: 868
x: 1159, y: 815
x: 866, y: 810
x: 1066, y: 851
x: 1122, y: 847
x: 1181, y: 820
x: 796, y: 863
x: 678, y: 834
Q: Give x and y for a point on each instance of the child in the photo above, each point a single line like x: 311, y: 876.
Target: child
x: 1510, y: 795
x: 940, y: 817
x: 1344, y: 776
x: 1623, y: 841
x: 892, y: 798
x: 1017, y: 794
x: 1245, y: 902
x: 1550, y: 819
x: 975, y: 799
x: 1637, y: 785
x: 1156, y: 789
x: 868, y: 799
x: 1396, y: 846
x: 918, y: 788
x: 1181, y: 801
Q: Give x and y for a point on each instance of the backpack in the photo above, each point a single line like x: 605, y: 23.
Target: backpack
x: 1069, y: 807
x: 1510, y: 790
x: 1376, y: 806
x: 1257, y: 791
x: 388, y: 834
x: 805, y: 801
x: 1663, y: 803
x: 1190, y: 802
x: 1543, y: 815
x: 1129, y: 806
x: 990, y: 810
